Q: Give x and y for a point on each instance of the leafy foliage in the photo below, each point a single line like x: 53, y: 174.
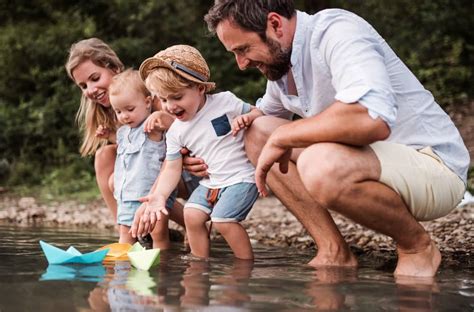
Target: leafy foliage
x: 39, y: 139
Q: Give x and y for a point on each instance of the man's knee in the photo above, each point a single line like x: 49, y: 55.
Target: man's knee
x: 319, y: 168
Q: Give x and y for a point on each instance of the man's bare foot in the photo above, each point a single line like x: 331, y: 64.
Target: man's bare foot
x: 342, y: 259
x: 423, y: 263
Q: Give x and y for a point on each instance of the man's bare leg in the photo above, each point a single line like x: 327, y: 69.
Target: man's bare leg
x: 288, y: 188
x: 345, y: 179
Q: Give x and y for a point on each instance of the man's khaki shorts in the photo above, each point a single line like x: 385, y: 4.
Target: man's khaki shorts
x: 429, y: 188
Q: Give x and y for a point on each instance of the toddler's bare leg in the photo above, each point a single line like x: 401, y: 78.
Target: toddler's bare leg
x: 237, y: 238
x: 125, y: 236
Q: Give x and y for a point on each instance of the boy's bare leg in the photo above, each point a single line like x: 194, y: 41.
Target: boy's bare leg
x: 288, y: 188
x: 125, y: 236
x: 104, y: 167
x: 161, y: 234
x: 237, y: 238
x: 197, y: 232
x: 353, y: 190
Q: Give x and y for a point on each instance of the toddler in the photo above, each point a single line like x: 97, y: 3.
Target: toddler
x: 139, y: 153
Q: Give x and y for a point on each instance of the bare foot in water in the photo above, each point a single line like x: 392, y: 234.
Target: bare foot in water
x: 423, y: 263
x: 344, y: 259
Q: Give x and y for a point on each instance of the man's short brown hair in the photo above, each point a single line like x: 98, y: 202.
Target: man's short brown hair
x: 249, y: 15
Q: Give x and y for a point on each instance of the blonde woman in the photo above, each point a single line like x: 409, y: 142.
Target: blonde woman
x: 91, y: 65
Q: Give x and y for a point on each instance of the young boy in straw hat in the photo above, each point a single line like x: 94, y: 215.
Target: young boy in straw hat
x: 208, y: 125
x: 140, y: 151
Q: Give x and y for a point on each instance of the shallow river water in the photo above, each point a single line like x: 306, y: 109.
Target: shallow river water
x: 277, y: 280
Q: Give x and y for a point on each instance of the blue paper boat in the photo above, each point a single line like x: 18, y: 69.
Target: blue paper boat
x: 55, y: 255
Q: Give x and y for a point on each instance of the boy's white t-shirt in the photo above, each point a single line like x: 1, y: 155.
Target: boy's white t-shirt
x: 208, y: 136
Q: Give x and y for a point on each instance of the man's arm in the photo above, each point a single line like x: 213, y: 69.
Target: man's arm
x: 339, y: 123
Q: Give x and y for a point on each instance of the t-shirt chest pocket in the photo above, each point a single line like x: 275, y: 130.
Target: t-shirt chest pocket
x: 221, y: 125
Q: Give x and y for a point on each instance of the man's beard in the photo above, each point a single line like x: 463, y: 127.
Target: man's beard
x: 281, y: 61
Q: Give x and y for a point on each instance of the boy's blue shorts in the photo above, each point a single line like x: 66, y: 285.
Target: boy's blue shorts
x: 126, y: 209
x: 233, y: 202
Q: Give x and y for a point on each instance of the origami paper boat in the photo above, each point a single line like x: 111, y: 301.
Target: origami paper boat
x: 55, y: 255
x: 117, y: 251
x: 142, y: 258
x: 76, y: 272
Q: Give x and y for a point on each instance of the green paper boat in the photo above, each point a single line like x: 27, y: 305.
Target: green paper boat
x: 142, y: 258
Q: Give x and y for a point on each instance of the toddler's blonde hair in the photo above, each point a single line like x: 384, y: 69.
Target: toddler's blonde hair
x: 128, y: 79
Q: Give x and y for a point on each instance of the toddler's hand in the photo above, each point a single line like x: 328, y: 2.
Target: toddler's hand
x: 158, y: 121
x: 240, y: 122
x: 102, y: 132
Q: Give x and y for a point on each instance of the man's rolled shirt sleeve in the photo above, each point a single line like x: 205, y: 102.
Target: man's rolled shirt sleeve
x: 359, y: 73
x: 270, y: 104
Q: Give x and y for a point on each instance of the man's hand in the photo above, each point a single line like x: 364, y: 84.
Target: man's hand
x: 194, y: 165
x: 271, y: 153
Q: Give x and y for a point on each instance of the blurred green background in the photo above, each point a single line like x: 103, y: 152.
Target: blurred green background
x: 39, y: 139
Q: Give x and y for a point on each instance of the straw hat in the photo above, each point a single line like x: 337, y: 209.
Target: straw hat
x: 184, y: 60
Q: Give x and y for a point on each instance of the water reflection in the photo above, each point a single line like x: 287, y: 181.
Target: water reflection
x: 240, y: 284
x: 324, y: 287
x: 79, y: 272
x: 126, y: 288
x: 416, y: 293
x: 123, y: 289
x: 231, y: 288
x: 277, y: 280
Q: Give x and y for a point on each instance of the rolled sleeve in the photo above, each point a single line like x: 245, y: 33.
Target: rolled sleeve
x: 359, y: 74
x: 246, y: 108
x: 173, y: 156
x: 173, y: 147
x: 271, y: 103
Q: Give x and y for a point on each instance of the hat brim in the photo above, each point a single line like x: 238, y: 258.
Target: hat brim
x: 153, y: 63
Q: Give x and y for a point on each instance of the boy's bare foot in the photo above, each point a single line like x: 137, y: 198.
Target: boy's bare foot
x: 423, y: 263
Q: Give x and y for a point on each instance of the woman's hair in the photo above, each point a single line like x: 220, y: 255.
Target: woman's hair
x: 249, y: 15
x: 128, y: 79
x: 90, y: 114
x: 163, y: 79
